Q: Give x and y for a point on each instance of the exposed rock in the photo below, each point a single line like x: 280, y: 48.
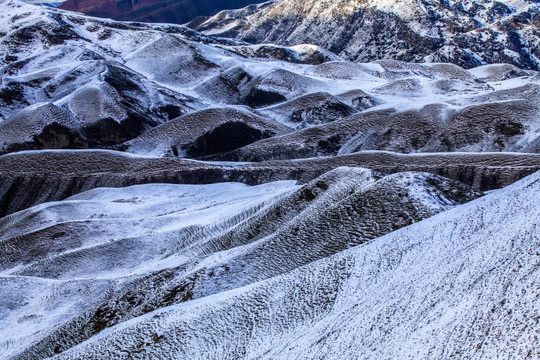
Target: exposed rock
x: 467, y: 33
x: 228, y: 87
x: 27, y: 179
x: 358, y: 99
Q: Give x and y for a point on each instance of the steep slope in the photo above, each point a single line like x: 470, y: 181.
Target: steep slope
x: 467, y: 33
x: 201, y: 241
x: 460, y: 284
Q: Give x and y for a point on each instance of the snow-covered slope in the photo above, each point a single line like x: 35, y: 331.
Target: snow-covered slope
x: 138, y: 249
x: 467, y: 33
x: 461, y: 284
x: 304, y: 232
x: 28, y: 178
x: 70, y: 81
x: 206, y: 132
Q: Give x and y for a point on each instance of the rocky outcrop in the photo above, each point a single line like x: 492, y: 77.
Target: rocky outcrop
x: 468, y: 33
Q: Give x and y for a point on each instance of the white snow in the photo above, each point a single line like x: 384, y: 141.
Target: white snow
x: 153, y: 218
x: 463, y: 283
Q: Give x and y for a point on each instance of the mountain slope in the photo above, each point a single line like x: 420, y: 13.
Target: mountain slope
x: 467, y: 33
x: 460, y: 284
x: 70, y: 81
x: 150, y: 246
x: 131, y: 225
x: 27, y: 178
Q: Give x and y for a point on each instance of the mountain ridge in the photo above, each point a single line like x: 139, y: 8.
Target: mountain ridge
x: 468, y: 33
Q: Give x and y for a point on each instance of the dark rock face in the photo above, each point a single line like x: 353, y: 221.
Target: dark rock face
x: 224, y: 138
x: 260, y: 98
x: 157, y: 11
x: 228, y: 87
x: 27, y: 179
x: 358, y: 99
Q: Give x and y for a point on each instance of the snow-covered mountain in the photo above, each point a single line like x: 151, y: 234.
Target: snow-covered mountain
x: 230, y: 271
x: 461, y: 284
x: 467, y: 33
x: 131, y: 258
x: 170, y: 194
x: 70, y: 81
